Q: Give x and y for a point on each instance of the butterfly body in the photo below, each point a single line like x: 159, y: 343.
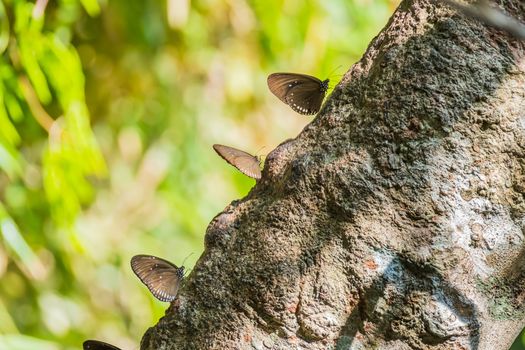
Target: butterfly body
x: 303, y: 93
x: 98, y: 345
x: 243, y: 161
x: 162, y: 277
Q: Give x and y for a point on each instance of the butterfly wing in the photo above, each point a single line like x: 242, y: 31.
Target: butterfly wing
x: 243, y: 161
x: 281, y: 83
x: 306, y: 99
x: 303, y: 93
x: 98, y: 345
x: 162, y: 278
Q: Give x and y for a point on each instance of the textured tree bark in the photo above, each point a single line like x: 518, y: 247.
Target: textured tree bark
x: 393, y: 221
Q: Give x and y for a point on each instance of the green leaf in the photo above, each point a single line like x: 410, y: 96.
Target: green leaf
x: 9, y: 160
x: 13, y: 107
x: 30, y: 47
x: 91, y: 7
x: 4, y: 29
x: 14, y: 240
x: 8, y: 133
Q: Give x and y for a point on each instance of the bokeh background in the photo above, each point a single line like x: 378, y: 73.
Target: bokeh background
x: 107, y: 116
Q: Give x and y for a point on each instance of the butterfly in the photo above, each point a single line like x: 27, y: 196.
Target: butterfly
x: 162, y: 278
x: 98, y: 345
x: 304, y: 93
x: 245, y: 162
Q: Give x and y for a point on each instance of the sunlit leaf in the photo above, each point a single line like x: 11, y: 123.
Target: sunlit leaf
x: 91, y: 6
x: 13, y: 107
x: 4, y: 29
x: 8, y: 133
x: 29, y: 42
x: 15, y: 241
x: 9, y: 160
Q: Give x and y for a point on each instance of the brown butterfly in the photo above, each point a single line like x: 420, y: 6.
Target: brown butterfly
x: 245, y: 162
x: 162, y: 278
x: 98, y: 345
x: 304, y: 93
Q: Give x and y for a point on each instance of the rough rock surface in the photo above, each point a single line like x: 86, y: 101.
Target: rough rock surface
x: 393, y: 221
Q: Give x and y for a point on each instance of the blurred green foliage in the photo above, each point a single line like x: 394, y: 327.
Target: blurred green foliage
x: 109, y: 110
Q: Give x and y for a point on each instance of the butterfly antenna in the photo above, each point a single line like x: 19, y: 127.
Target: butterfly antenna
x: 260, y: 149
x: 187, y: 272
x: 332, y: 72
x: 259, y: 158
x: 183, y: 261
